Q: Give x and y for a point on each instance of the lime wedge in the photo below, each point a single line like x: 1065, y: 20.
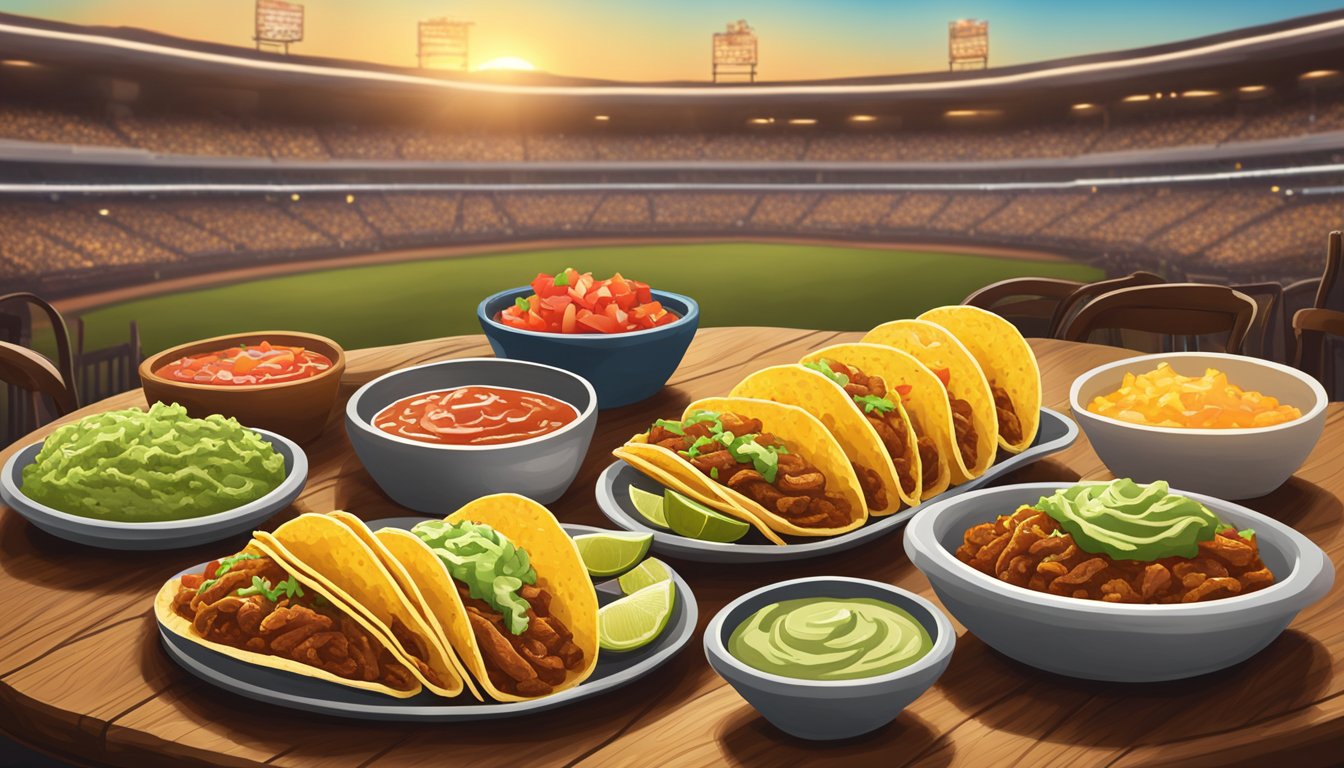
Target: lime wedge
x: 696, y: 521
x: 649, y: 505
x: 633, y: 621
x: 647, y: 573
x: 607, y: 554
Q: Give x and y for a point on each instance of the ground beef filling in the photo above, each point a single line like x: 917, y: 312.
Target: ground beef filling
x: 303, y: 628
x: 530, y: 664
x: 1010, y: 428
x: 963, y: 424
x: 890, y: 426
x: 874, y: 490
x: 798, y: 493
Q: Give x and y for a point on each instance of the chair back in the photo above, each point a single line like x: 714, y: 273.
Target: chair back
x: 1318, y: 333
x: 109, y: 371
x: 1070, y: 307
x: 1186, y: 310
x: 1264, y: 339
x: 1330, y: 294
x: 1029, y: 303
x: 29, y: 377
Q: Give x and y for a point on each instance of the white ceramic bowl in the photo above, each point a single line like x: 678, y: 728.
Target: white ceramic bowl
x: 1227, y: 463
x: 1110, y: 641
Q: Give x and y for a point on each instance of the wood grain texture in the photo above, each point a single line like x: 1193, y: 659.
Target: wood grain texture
x: 81, y: 670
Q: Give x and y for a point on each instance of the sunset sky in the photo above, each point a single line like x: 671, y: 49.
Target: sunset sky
x: 661, y: 40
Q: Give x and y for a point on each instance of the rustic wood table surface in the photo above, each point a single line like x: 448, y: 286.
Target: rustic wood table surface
x: 82, y: 674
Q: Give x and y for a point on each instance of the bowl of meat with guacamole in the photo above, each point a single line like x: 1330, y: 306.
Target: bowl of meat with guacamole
x: 152, y: 479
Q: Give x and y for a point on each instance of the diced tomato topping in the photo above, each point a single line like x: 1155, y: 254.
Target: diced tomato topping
x: 944, y: 375
x: 581, y: 304
x: 904, y: 389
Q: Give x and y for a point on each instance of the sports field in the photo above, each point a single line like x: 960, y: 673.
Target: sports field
x: 800, y: 286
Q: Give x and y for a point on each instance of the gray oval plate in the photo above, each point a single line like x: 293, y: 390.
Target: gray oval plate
x: 295, y: 691
x: 168, y: 534
x: 1056, y: 433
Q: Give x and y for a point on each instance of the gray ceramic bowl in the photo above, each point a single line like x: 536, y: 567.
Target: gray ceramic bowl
x: 169, y: 534
x: 1109, y: 641
x: 437, y: 479
x: 829, y: 709
x: 1227, y: 463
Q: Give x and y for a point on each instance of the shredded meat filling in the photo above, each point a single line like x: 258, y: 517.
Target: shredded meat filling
x: 963, y: 424
x: 1029, y: 549
x: 1010, y: 427
x: 798, y: 493
x: 530, y: 664
x: 890, y: 427
x: 302, y: 628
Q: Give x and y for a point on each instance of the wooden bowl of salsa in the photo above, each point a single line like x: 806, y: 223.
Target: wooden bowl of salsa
x: 283, y: 381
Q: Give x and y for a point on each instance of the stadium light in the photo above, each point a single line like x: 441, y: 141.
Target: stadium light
x: 1137, y: 97
x: 1253, y: 88
x: 803, y: 121
x: 1198, y: 94
x: 761, y: 120
x: 1084, y: 105
x: 294, y: 197
x: 349, y: 199
x: 958, y: 113
x: 862, y: 118
x: 1319, y: 74
x: 602, y: 118
x: 104, y: 212
x: 1274, y: 189
x: 19, y: 63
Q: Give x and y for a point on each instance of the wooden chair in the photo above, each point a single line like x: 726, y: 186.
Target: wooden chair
x: 1330, y: 293
x: 1314, y: 329
x: 109, y: 371
x: 1070, y: 307
x: 26, y: 370
x: 1262, y: 339
x: 1029, y: 303
x: 1172, y: 309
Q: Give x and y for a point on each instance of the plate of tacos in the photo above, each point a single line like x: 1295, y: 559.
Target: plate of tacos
x: 844, y: 445
x: 488, y: 613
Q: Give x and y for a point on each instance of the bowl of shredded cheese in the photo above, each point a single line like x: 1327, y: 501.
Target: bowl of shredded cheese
x: 1224, y: 425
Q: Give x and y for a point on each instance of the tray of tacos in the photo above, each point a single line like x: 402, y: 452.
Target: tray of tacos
x: 488, y: 613
x: 835, y: 450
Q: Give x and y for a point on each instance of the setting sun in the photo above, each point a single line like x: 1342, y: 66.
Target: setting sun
x: 506, y: 63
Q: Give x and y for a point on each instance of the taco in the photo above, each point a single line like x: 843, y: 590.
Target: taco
x: 324, y: 547
x: 975, y: 428
x: 253, y: 607
x: 1009, y: 366
x: 774, y: 462
x: 917, y: 432
x: 504, y: 583
x: 820, y: 391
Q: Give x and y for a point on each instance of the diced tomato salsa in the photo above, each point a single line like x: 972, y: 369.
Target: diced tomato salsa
x: 569, y: 302
x: 247, y: 365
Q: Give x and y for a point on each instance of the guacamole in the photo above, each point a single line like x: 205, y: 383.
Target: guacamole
x: 139, y: 467
x: 1128, y: 521
x: 492, y: 567
x: 824, y: 638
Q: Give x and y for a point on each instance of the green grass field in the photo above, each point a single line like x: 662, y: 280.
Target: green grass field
x: 799, y: 286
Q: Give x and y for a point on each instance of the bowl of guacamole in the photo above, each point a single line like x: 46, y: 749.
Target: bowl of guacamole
x: 152, y: 479
x: 829, y: 657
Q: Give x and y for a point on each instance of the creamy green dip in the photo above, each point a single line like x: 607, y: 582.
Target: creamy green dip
x: 1128, y: 521
x: 492, y: 567
x: 147, y: 466
x: 823, y: 638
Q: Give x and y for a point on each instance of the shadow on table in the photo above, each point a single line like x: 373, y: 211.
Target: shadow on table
x: 15, y: 755
x: 1005, y: 695
x: 747, y: 737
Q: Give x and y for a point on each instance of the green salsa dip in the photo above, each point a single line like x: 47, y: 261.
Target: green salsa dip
x: 1128, y: 521
x: 825, y: 638
x: 139, y: 466
x: 492, y: 567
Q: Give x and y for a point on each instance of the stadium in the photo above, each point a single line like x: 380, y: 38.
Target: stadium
x: 145, y: 172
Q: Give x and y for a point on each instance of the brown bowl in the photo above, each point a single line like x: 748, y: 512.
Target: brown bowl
x: 296, y: 409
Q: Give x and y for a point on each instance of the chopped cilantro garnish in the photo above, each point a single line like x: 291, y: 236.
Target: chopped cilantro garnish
x: 762, y: 457
x: 671, y: 426
x: 562, y: 277
x: 872, y: 403
x: 699, y: 443
x: 208, y: 583
x: 823, y: 366
x: 522, y: 304
x: 288, y: 588
x: 1247, y: 533
x: 228, y: 562
x: 714, y: 473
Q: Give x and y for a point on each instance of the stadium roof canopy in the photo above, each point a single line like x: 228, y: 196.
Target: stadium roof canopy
x: 1274, y: 53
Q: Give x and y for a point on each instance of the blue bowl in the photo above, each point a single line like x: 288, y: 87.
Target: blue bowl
x: 623, y: 368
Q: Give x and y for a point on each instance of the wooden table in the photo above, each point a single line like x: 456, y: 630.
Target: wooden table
x: 83, y: 677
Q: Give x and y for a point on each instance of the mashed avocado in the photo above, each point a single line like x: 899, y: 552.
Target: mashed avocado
x: 1128, y: 521
x: 139, y: 467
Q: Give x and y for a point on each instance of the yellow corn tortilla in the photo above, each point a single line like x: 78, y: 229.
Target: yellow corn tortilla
x: 803, y: 434
x: 1006, y: 359
x: 324, y: 548
x: 819, y: 396
x: 936, y: 347
x: 926, y: 407
x: 649, y: 460
x: 163, y: 610
x: 552, y: 552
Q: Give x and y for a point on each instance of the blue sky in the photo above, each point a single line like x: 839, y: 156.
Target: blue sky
x: 655, y: 39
